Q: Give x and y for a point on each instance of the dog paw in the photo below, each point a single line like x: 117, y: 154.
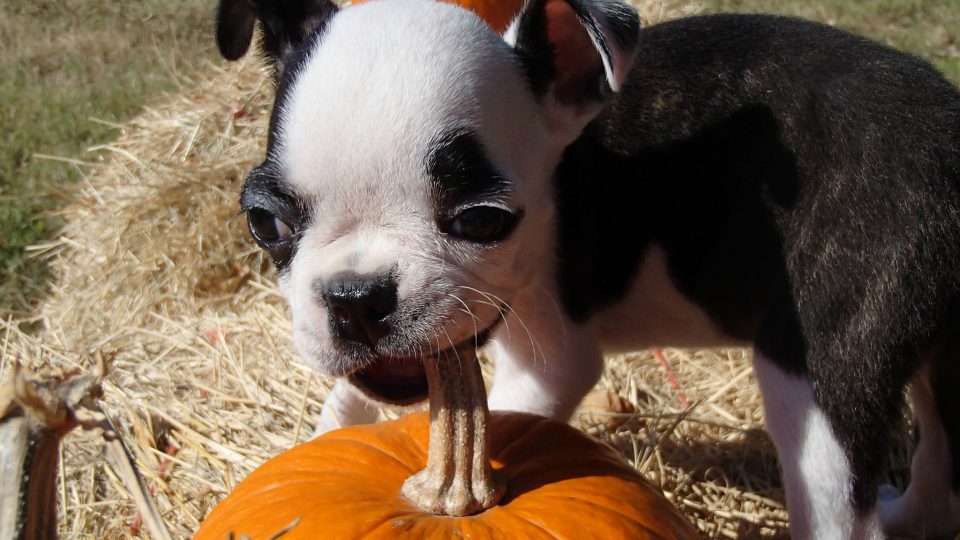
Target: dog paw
x: 888, y: 493
x: 890, y: 509
x: 907, y: 515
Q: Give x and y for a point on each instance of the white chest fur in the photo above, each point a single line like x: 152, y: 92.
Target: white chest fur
x: 655, y: 314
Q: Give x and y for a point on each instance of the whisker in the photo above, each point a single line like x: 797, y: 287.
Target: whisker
x: 556, y: 309
x: 466, y: 309
x: 491, y: 302
x: 453, y: 348
x: 534, y: 344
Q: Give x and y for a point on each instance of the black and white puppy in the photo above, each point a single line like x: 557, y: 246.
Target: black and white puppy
x: 579, y: 186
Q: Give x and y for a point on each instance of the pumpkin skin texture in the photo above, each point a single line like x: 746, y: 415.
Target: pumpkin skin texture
x: 346, y: 484
x: 497, y: 13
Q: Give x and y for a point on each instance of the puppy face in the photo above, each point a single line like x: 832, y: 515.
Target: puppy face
x: 406, y: 195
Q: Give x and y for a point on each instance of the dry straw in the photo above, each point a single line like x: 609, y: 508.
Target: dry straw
x: 156, y: 273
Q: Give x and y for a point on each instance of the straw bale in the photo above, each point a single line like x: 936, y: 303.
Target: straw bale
x: 155, y: 271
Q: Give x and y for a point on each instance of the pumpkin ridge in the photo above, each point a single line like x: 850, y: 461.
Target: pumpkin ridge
x: 506, y: 511
x: 569, y: 458
x: 539, y: 525
x: 379, y: 513
x: 384, y: 451
x: 378, y: 532
x: 536, y: 436
x: 409, y: 427
x: 533, y: 475
x: 627, y: 517
x: 305, y: 464
x: 359, y: 494
x: 377, y: 525
x: 517, y: 434
x: 531, y: 427
x: 304, y: 469
x: 541, y: 475
x: 248, y: 504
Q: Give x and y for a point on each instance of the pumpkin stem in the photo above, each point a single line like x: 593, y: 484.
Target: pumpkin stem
x: 458, y: 479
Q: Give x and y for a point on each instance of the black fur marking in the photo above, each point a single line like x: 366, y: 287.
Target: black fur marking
x: 804, y: 184
x: 692, y: 207
x: 264, y: 189
x: 533, y: 47
x: 461, y: 173
x: 234, y: 28
x: 292, y: 29
x: 945, y: 377
x: 285, y: 85
x: 287, y: 25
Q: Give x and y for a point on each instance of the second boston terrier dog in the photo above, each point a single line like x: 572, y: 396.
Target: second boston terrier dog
x: 580, y: 186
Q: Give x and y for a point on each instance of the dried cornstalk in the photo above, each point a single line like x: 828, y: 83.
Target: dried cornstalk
x: 36, y: 412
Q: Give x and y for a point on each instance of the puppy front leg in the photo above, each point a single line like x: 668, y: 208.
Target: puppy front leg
x: 545, y: 368
x: 345, y: 406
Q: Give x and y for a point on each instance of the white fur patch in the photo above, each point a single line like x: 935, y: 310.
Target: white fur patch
x: 544, y: 363
x: 654, y: 313
x: 816, y: 474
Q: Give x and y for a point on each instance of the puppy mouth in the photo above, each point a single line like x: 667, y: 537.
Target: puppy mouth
x: 403, y: 380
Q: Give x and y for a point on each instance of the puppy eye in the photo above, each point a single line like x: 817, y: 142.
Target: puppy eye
x: 267, y: 229
x: 484, y: 224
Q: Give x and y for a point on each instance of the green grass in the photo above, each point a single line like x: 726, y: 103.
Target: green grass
x: 65, y: 63
x: 927, y: 28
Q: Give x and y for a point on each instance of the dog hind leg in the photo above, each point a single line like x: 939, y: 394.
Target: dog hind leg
x: 930, y: 507
x: 816, y: 472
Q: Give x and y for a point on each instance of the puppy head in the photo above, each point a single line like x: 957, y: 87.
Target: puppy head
x: 405, y: 196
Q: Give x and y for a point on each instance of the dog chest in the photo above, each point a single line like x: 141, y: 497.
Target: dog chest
x: 653, y: 312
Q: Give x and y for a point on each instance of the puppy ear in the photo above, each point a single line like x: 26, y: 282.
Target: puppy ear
x: 575, y: 52
x: 285, y: 23
x: 235, y: 20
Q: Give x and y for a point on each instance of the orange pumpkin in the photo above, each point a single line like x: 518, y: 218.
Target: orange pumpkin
x: 498, y: 13
x: 346, y: 484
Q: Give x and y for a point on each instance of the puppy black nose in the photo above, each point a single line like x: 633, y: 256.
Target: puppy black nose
x: 359, y: 307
